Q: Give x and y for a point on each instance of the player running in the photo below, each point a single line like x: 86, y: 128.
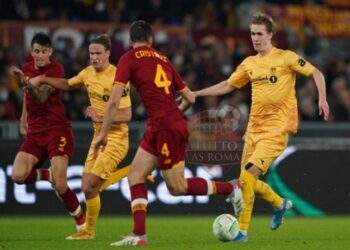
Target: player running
x: 102, y: 171
x: 47, y: 131
x: 165, y: 140
x: 272, y: 74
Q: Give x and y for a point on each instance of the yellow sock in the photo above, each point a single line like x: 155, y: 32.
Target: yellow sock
x: 264, y: 191
x: 248, y: 183
x: 92, y: 211
x: 115, y: 177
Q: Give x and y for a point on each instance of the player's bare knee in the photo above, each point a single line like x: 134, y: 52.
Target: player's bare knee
x: 134, y: 177
x: 18, y: 178
x: 90, y: 191
x: 19, y: 173
x: 253, y: 170
x: 86, y: 189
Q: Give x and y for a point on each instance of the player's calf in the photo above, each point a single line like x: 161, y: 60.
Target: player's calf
x: 18, y: 179
x: 71, y: 203
x: 178, y: 188
x: 79, y: 218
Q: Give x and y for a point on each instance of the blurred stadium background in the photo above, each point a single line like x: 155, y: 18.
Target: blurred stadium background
x: 205, y: 40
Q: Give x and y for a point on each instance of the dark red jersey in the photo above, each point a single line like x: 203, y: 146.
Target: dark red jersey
x: 49, y: 114
x: 156, y: 80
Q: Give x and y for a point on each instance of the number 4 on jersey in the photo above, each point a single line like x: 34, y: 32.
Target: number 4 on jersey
x: 161, y: 79
x: 165, y: 150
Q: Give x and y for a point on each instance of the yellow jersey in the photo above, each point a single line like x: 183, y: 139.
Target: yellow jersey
x: 99, y: 87
x: 274, y: 103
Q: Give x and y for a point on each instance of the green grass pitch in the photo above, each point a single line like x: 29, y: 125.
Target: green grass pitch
x: 176, y: 232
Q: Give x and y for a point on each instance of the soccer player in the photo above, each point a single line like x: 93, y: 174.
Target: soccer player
x: 99, y: 172
x: 48, y: 132
x: 272, y: 74
x: 165, y: 140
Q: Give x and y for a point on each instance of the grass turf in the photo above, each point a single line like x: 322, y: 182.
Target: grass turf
x: 176, y: 232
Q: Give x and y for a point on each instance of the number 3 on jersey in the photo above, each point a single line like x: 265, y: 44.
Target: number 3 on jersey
x: 161, y: 79
x: 63, y: 142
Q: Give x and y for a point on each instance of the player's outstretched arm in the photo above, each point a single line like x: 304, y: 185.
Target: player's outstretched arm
x: 322, y: 97
x: 188, y: 98
x: 18, y: 73
x: 57, y: 83
x: 122, y: 115
x: 90, y: 113
x: 220, y: 88
x: 40, y: 93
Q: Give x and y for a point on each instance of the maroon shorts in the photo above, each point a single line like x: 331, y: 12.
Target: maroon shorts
x: 43, y: 145
x: 168, y: 145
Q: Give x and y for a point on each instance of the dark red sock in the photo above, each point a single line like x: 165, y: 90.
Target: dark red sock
x: 197, y: 186
x: 71, y: 203
x: 224, y: 188
x: 79, y: 218
x: 44, y: 174
x: 32, y: 177
x: 139, y: 207
x: 70, y: 200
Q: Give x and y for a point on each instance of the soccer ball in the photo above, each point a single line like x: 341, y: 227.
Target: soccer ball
x: 225, y: 227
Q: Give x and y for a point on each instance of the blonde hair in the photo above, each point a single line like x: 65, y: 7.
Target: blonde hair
x: 266, y: 20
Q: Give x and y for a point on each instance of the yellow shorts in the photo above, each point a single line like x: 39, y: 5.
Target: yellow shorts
x: 262, y: 149
x: 115, y: 151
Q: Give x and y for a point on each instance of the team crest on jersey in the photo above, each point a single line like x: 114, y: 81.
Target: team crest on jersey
x: 273, y: 70
x: 273, y: 78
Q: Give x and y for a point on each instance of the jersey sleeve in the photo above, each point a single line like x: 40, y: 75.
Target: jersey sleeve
x: 239, y: 77
x: 125, y: 101
x: 25, y: 69
x: 123, y: 73
x: 78, y: 79
x: 298, y: 64
x: 56, y: 70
